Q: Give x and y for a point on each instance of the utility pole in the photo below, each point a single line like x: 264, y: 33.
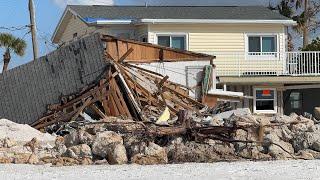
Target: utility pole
x: 33, y: 30
x: 306, y: 24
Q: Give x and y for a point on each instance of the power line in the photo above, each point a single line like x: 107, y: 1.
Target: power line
x: 15, y: 28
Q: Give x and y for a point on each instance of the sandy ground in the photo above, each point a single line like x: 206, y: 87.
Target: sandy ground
x: 236, y: 170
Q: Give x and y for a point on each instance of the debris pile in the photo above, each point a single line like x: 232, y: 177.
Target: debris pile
x: 119, y: 141
x: 133, y: 115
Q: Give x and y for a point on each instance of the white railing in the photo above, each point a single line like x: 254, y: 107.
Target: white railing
x: 267, y: 64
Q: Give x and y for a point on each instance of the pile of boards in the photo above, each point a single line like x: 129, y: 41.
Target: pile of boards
x: 127, y: 90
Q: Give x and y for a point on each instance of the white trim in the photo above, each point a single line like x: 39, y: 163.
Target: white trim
x: 265, y: 111
x: 112, y: 22
x: 186, y: 35
x: 263, y: 57
x: 60, y: 22
x: 217, y: 21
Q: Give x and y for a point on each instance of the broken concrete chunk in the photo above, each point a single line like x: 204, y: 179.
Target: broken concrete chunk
x: 117, y: 154
x: 7, y: 142
x: 71, y: 139
x: 152, y: 154
x: 85, y: 137
x: 109, y: 145
x: 79, y: 151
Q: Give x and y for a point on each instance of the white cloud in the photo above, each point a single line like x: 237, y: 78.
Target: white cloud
x: 63, y: 3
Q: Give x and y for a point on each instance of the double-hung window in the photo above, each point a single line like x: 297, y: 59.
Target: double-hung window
x: 265, y: 100
x: 173, y: 41
x: 262, y: 44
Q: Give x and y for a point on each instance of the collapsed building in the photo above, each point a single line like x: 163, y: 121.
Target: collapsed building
x: 40, y: 89
x: 98, y: 95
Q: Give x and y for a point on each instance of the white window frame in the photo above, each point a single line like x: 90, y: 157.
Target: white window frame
x: 177, y: 34
x: 262, y: 56
x: 265, y: 111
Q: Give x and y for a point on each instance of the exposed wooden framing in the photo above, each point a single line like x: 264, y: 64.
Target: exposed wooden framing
x: 79, y: 111
x: 121, y: 104
x: 97, y: 110
x: 122, y: 58
x: 126, y: 89
x: 147, y: 53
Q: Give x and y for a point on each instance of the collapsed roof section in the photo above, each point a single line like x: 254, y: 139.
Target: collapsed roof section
x: 139, y: 52
x: 29, y: 91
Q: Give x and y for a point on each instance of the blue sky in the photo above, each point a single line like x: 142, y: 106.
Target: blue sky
x: 14, y: 13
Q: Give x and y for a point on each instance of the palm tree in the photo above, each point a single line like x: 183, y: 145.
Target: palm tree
x: 11, y: 44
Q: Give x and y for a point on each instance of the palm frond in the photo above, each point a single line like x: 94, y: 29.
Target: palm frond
x: 17, y: 45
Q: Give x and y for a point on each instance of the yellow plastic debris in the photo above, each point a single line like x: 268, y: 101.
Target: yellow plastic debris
x: 165, y: 116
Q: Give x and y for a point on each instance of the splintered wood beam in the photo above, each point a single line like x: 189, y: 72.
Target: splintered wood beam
x: 119, y: 68
x: 122, y: 58
x: 79, y: 111
x: 119, y: 100
x: 146, y: 93
x: 97, y: 110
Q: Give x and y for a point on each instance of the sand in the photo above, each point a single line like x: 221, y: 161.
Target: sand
x: 22, y: 133
x: 236, y: 170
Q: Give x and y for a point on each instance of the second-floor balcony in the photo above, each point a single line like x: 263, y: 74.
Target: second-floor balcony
x: 267, y: 64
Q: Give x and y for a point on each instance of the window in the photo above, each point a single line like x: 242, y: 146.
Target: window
x: 262, y: 44
x: 295, y: 100
x: 265, y: 100
x: 174, y: 41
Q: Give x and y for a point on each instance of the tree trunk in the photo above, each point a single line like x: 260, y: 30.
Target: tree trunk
x: 6, y: 60
x: 306, y: 24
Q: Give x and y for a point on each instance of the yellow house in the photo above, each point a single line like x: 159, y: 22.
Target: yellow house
x: 250, y: 43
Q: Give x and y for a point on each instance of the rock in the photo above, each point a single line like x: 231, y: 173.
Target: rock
x: 86, y: 161
x: 317, y: 113
x: 22, y: 158
x: 33, y: 159
x: 293, y: 116
x: 306, y: 140
x: 190, y: 151
x: 252, y: 152
x: 85, y: 137
x: 7, y: 143
x: 305, y: 125
x: 60, y: 148
x: 5, y: 160
x: 109, y: 145
x: 216, y: 122
x: 316, y: 145
x: 285, y: 119
x: 60, y: 161
x: 228, y: 114
x: 71, y: 139
x: 272, y: 143
x: 118, y: 155
x: 153, y: 154
x: 79, y: 151
x: 315, y: 154
x: 305, y: 155
x: 103, y: 142
x: 134, y: 145
x: 101, y: 162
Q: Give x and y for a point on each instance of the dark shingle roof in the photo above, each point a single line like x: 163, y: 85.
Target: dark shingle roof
x: 177, y: 12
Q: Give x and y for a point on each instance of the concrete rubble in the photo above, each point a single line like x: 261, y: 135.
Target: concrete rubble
x: 264, y: 138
